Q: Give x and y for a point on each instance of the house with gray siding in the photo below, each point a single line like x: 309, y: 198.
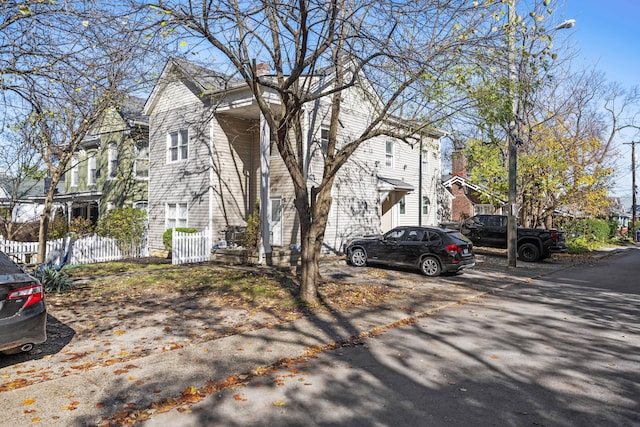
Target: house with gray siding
x: 211, y: 161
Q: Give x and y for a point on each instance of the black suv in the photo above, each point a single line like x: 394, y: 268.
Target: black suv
x: 432, y: 250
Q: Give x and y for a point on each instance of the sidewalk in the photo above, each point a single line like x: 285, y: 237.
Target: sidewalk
x: 100, y: 396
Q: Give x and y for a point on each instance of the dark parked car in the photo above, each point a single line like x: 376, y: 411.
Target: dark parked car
x: 432, y: 250
x: 23, y: 315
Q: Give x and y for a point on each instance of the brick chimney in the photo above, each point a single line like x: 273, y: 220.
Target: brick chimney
x: 458, y: 164
x: 262, y: 69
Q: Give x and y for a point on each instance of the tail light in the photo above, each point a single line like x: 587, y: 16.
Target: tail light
x: 453, y: 249
x: 34, y: 294
x: 554, y: 237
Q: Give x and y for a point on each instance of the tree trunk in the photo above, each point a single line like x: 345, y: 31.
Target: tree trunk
x: 309, y: 272
x: 44, y: 224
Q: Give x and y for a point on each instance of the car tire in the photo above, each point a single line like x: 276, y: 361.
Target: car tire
x: 430, y: 266
x: 529, y: 252
x: 358, y: 257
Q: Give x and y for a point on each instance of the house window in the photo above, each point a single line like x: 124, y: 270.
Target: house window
x: 74, y: 171
x: 324, y: 139
x: 483, y: 209
x: 425, y: 205
x: 178, y: 146
x: 403, y: 206
x: 113, y: 160
x: 176, y: 215
x: 389, y: 154
x: 142, y: 160
x: 142, y: 204
x: 91, y: 169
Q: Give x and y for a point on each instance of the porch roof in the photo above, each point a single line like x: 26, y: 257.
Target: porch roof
x: 392, y: 184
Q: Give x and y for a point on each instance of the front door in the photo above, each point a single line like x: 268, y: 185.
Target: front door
x: 275, y: 221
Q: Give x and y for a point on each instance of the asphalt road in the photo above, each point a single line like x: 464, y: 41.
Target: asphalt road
x: 562, y: 350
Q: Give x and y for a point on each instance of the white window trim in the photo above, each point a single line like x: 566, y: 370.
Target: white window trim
x: 74, y: 171
x: 426, y: 203
x: 389, y: 156
x: 143, y: 203
x: 91, y: 165
x: 135, y: 164
x: 178, y: 147
x: 112, y: 154
x: 177, y: 208
x: 324, y: 142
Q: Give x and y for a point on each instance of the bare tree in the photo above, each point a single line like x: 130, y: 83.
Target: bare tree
x: 405, y: 56
x: 20, y: 175
x: 63, y: 64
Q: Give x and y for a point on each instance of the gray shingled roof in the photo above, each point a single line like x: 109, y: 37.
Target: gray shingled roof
x: 208, y: 80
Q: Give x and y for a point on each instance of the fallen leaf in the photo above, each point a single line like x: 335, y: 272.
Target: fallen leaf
x: 278, y: 403
x: 71, y: 406
x: 118, y: 332
x: 494, y: 356
x: 29, y: 402
x: 35, y: 420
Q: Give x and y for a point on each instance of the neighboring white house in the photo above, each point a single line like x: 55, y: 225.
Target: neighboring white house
x: 211, y: 160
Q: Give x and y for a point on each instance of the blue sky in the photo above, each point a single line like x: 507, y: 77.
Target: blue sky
x: 607, y: 36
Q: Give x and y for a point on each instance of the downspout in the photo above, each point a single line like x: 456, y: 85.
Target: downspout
x: 420, y: 172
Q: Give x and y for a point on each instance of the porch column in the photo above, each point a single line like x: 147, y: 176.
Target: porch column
x: 211, y: 182
x: 265, y: 139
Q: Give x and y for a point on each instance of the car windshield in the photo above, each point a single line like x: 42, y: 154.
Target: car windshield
x: 7, y: 266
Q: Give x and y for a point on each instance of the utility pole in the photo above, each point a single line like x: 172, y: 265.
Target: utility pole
x: 633, y: 189
x: 512, y: 153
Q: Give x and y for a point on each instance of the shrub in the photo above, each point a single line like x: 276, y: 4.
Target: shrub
x: 53, y: 280
x: 251, y: 235
x: 167, y: 236
x: 126, y: 225
x: 80, y: 226
x: 57, y: 228
x: 586, y: 234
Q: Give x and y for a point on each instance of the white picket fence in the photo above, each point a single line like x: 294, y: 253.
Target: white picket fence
x: 190, y: 247
x: 27, y: 252
x: 84, y: 250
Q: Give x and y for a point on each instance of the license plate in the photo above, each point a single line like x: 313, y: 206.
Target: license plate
x: 465, y: 251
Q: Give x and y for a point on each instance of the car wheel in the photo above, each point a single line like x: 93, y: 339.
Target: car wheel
x: 358, y: 257
x: 430, y: 266
x: 529, y: 252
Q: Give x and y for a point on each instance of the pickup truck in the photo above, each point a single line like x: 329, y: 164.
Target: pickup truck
x: 534, y: 244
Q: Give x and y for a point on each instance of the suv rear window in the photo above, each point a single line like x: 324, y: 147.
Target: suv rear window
x: 458, y: 237
x: 7, y: 266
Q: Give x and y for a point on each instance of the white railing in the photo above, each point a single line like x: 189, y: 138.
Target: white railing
x: 84, y: 250
x: 190, y: 247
